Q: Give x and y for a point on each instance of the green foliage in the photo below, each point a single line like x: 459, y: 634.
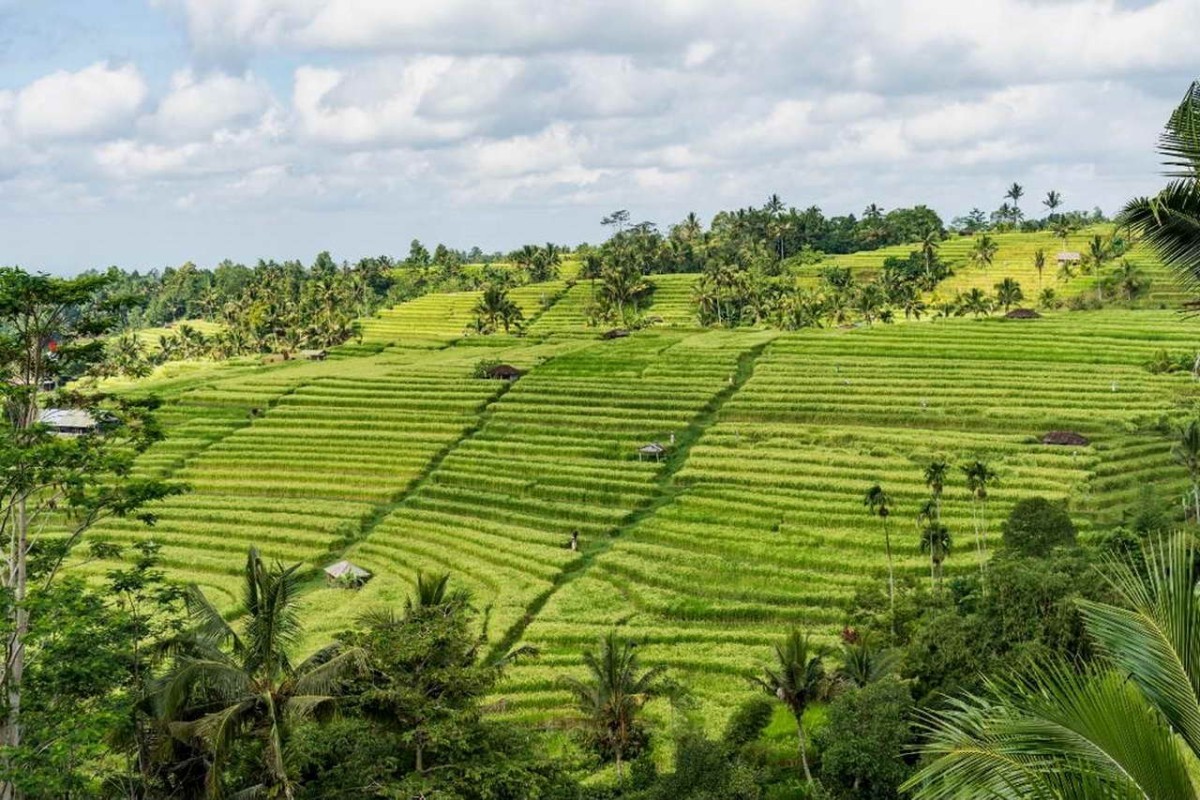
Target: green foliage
x: 748, y: 721
x: 1036, y: 525
x: 866, y: 740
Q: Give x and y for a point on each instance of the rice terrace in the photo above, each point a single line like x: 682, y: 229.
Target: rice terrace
x: 820, y: 421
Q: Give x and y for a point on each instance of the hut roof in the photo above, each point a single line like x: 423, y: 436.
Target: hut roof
x: 1069, y: 255
x: 615, y: 333
x: 1065, y: 438
x: 1022, y: 313
x: 652, y: 449
x: 68, y: 419
x: 313, y: 355
x: 346, y: 569
x: 504, y: 371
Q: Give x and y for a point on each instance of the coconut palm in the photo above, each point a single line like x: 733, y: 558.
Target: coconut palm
x: 1170, y: 221
x: 612, y: 696
x: 496, y: 309
x: 1187, y: 453
x: 1128, y: 727
x: 880, y: 505
x: 796, y: 679
x: 226, y: 686
x: 1063, y: 229
x: 984, y: 251
x: 980, y: 477
x: 1008, y: 293
x: 976, y: 302
x: 1015, y: 193
x: 863, y: 663
x: 1039, y: 263
x: 935, y: 479
x: 1052, y: 202
x: 930, y: 243
x: 1130, y: 278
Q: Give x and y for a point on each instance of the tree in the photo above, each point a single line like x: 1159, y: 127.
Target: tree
x: 1127, y: 727
x: 1039, y: 263
x: 54, y: 328
x: 1063, y: 230
x: 880, y: 505
x: 1008, y: 293
x: 863, y: 663
x: 1186, y: 452
x: 1015, y: 193
x: 976, y: 302
x: 1052, y: 202
x: 980, y: 477
x: 930, y: 243
x: 1170, y: 221
x: 984, y: 251
x: 1036, y: 525
x: 224, y: 686
x: 797, y: 679
x: 864, y: 742
x: 936, y: 541
x: 611, y: 698
x: 496, y: 309
x: 1130, y: 279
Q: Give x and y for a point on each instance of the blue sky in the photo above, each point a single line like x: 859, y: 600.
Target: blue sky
x: 148, y: 133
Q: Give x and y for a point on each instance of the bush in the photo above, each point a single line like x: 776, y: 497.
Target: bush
x: 482, y: 366
x: 1036, y: 526
x: 749, y: 721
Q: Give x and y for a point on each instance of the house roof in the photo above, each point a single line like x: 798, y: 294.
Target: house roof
x: 1069, y: 255
x: 503, y: 369
x: 344, y: 569
x: 67, y: 418
x: 1065, y: 438
x: 653, y: 448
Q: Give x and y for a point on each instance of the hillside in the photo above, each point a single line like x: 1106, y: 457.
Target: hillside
x: 393, y: 455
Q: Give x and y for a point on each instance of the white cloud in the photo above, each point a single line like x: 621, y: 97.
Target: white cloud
x: 94, y: 102
x: 196, y: 107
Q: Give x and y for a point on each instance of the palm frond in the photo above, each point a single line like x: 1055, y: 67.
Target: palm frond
x: 309, y: 706
x: 1179, y: 143
x: 215, y: 678
x: 1169, y: 223
x: 327, y: 676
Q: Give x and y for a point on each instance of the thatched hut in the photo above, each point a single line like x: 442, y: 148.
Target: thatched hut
x: 1022, y: 313
x: 68, y: 421
x: 346, y: 574
x: 1066, y: 438
x: 1069, y: 257
x: 503, y: 372
x: 652, y: 450
x: 615, y: 333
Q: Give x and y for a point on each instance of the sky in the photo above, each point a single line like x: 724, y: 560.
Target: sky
x: 147, y: 133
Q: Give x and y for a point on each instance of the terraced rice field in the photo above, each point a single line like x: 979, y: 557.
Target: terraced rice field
x: 1015, y: 259
x: 393, y: 456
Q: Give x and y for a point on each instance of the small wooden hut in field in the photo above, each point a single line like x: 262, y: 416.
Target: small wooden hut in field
x: 652, y: 450
x: 1022, y: 313
x: 503, y: 372
x: 1066, y: 439
x: 615, y: 333
x: 314, y: 355
x: 346, y: 574
x: 68, y: 421
x: 1069, y: 257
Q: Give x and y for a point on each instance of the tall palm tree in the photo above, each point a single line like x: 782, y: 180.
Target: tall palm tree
x: 930, y: 243
x: 1039, y: 263
x: 1052, y: 202
x: 1008, y: 293
x: 1015, y: 193
x: 863, y: 663
x: 935, y: 478
x: 797, y: 679
x: 1128, y: 727
x: 980, y: 477
x: 976, y: 302
x: 1186, y: 452
x: 1062, y: 230
x: 880, y: 505
x: 1170, y: 221
x: 935, y: 540
x: 612, y: 696
x: 984, y: 251
x: 225, y: 686
x: 1130, y: 278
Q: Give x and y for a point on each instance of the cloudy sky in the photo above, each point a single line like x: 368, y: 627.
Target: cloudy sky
x: 150, y: 132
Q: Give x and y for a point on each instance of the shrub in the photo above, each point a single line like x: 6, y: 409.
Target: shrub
x: 863, y: 744
x: 749, y: 721
x: 1036, y: 525
x: 482, y: 366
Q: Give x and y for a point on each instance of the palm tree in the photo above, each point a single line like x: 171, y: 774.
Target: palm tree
x: 935, y: 479
x: 863, y: 664
x: 1039, y: 263
x: 612, y: 696
x: 1052, y: 202
x: 1063, y: 230
x: 984, y: 251
x: 979, y: 477
x: 224, y: 686
x: 1130, y: 278
x: 1015, y: 193
x: 929, y: 247
x: 496, y: 309
x: 976, y: 302
x: 880, y: 505
x: 936, y: 541
x: 1008, y: 293
x: 796, y: 679
x: 1170, y: 221
x: 1128, y: 727
x: 1186, y: 452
